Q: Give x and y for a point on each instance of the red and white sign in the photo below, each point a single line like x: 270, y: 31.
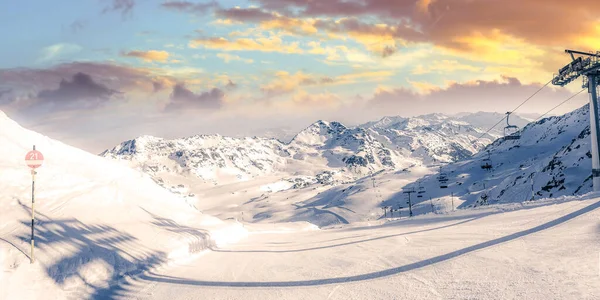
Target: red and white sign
x: 34, y: 159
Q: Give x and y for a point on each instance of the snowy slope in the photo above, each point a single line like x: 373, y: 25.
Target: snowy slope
x: 322, y: 149
x: 213, y: 158
x: 321, y: 176
x: 551, y: 159
x: 96, y: 221
x: 431, y: 138
x: 352, y: 148
x: 553, y: 154
x: 540, y: 250
x: 390, y: 143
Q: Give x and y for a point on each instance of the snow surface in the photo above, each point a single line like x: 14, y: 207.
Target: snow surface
x: 388, y: 144
x: 213, y: 217
x: 96, y: 221
x: 543, y: 250
x: 551, y: 159
x: 553, y: 154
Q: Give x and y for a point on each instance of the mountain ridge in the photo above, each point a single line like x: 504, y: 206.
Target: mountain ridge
x: 324, y: 145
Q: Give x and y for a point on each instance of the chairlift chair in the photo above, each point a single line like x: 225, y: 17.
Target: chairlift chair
x: 420, y: 191
x: 486, y: 163
x: 443, y: 179
x: 511, y: 132
x: 444, y: 183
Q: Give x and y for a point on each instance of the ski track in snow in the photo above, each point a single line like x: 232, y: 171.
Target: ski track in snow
x: 463, y: 251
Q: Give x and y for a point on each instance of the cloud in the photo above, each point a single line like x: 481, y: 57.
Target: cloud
x: 124, y: 6
x: 189, y: 7
x: 308, y: 101
x: 442, y: 20
x: 424, y: 87
x: 513, y: 34
x: 263, y: 44
x: 81, y: 90
x: 479, y: 95
x: 285, y: 83
x: 157, y: 86
x: 229, y: 57
x: 148, y: 56
x: 267, y: 20
x: 378, y: 37
x: 5, y: 92
x: 230, y: 85
x: 6, y: 100
x: 131, y: 80
x: 252, y: 14
x: 182, y: 98
x: 58, y: 50
x: 315, y: 81
x: 444, y: 67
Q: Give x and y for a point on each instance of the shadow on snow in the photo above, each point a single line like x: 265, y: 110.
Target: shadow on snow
x: 374, y: 275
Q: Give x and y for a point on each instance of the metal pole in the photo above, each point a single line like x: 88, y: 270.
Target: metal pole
x: 432, y: 208
x: 410, y: 206
x: 452, y: 195
x: 532, y: 193
x: 595, y: 131
x: 32, y: 211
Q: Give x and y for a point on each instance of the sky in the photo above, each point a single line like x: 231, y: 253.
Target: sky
x: 93, y: 73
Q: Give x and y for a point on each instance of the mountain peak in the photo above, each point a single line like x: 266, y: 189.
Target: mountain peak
x: 319, y: 132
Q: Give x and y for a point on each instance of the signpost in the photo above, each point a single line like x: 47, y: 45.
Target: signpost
x: 34, y: 159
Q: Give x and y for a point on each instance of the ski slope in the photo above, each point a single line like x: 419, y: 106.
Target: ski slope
x: 551, y: 159
x: 106, y: 231
x: 543, y: 250
x: 95, y: 221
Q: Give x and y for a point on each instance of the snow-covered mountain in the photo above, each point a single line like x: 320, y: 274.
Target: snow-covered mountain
x: 551, y: 159
x: 321, y: 147
x: 432, y: 138
x: 388, y: 144
x: 352, y: 148
x: 209, y: 157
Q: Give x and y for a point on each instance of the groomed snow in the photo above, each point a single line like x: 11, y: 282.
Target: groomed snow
x: 543, y: 250
x: 96, y: 221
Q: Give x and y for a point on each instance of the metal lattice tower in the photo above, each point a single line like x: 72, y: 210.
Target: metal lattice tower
x: 588, y: 66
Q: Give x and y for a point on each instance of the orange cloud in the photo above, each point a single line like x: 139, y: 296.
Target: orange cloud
x: 444, y: 66
x: 308, y: 101
x: 229, y: 57
x: 148, y: 56
x: 270, y: 44
x: 509, y: 34
x: 424, y: 87
x: 285, y: 82
x: 554, y: 24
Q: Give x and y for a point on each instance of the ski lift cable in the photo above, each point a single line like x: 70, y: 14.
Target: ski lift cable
x: 522, y: 103
x: 559, y: 105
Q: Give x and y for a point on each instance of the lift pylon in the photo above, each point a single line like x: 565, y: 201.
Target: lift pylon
x: 588, y: 66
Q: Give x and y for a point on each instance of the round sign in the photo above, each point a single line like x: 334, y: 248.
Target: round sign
x: 34, y: 159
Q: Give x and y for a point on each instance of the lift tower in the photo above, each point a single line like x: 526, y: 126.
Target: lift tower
x: 588, y: 66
